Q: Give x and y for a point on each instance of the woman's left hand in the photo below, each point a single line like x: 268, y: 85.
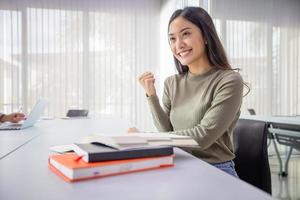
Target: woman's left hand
x: 132, y: 130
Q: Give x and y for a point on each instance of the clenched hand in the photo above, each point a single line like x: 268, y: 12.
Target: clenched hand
x: 147, y: 80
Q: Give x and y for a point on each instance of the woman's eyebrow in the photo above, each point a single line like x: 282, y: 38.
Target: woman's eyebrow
x: 186, y: 28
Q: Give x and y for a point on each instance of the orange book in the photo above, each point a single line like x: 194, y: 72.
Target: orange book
x: 71, y: 168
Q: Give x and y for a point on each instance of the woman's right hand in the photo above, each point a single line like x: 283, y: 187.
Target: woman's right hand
x: 147, y: 80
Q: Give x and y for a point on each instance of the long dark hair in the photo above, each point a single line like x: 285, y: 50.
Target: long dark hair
x: 214, y: 48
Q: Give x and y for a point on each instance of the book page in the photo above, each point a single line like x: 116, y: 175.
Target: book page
x: 134, y: 140
x: 101, y: 139
x: 62, y: 148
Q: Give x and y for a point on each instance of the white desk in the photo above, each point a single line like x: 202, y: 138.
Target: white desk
x: 286, y: 131
x: 25, y: 174
x: 12, y: 140
x: 288, y: 120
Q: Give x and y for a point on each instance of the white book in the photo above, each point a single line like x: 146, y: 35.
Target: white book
x: 141, y: 139
x: 135, y: 140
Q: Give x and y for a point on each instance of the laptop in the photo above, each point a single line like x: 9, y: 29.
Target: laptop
x: 32, y: 118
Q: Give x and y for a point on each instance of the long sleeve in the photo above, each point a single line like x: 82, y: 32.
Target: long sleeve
x: 1, y: 115
x: 161, y: 116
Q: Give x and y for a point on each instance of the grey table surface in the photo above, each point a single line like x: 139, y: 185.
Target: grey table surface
x: 24, y: 174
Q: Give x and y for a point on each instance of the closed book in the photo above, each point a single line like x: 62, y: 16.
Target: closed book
x: 94, y: 152
x: 68, y: 167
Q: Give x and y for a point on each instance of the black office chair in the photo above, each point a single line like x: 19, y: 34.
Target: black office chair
x: 77, y: 113
x: 270, y: 136
x: 251, y: 161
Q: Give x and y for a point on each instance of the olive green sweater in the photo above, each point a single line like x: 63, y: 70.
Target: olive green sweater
x: 205, y: 107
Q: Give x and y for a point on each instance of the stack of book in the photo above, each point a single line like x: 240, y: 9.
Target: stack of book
x: 104, y: 155
x: 98, y: 160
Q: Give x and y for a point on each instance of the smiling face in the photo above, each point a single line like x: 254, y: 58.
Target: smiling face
x: 186, y: 42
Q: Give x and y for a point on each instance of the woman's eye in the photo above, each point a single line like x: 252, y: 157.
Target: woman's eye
x: 186, y: 33
x: 172, y: 39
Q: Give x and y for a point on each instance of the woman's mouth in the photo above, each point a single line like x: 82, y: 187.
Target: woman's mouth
x: 184, y: 53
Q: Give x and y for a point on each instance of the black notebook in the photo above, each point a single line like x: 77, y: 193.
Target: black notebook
x: 95, y: 152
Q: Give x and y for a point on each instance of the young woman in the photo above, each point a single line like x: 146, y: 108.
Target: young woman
x: 203, y: 100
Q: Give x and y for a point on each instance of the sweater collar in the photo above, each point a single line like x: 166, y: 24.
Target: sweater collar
x: 192, y: 76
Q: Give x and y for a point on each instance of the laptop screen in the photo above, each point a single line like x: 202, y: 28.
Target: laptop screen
x: 35, y: 113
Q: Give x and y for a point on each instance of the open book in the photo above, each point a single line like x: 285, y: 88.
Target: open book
x: 146, y: 144
x: 134, y: 140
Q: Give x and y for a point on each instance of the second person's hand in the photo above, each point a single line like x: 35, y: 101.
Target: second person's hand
x: 147, y: 80
x: 13, y: 117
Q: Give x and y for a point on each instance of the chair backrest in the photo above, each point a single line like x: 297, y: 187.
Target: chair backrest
x: 251, y: 150
x: 77, y: 113
x: 251, y: 111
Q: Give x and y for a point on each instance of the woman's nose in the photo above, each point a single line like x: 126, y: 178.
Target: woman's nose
x: 179, y: 44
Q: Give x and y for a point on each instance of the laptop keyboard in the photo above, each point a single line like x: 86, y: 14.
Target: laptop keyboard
x: 11, y: 127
